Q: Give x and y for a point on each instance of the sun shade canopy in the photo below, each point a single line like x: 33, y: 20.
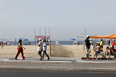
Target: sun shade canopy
x: 112, y: 36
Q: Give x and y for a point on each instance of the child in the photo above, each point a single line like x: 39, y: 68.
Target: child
x: 97, y: 51
x: 107, y: 51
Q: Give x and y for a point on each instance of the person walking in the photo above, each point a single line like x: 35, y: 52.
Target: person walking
x: 45, y: 49
x: 2, y: 45
x: 87, y: 46
x: 40, y: 48
x: 20, y: 50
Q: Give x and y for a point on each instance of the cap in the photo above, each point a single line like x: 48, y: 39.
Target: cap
x: 39, y: 38
x: 87, y: 36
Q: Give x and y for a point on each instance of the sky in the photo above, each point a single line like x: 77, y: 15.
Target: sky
x: 66, y: 18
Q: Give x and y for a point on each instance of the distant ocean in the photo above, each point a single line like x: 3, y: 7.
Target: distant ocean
x: 52, y: 42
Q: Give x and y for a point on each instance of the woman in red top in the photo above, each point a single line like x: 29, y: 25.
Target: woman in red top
x: 113, y: 43
x: 20, y: 50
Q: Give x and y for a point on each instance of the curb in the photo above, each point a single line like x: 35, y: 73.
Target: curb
x: 47, y: 62
x: 95, y: 61
x: 56, y: 60
x: 50, y: 69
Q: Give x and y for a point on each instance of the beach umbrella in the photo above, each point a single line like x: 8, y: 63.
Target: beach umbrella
x: 25, y: 39
x: 73, y: 39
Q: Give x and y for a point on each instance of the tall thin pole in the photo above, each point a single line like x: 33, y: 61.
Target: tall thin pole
x: 49, y: 31
x: 35, y: 34
x: 45, y: 31
x: 15, y: 41
x: 84, y: 39
x: 49, y: 41
x: 85, y: 33
x: 39, y: 31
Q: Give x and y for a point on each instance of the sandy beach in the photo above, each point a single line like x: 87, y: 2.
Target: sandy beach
x: 57, y: 51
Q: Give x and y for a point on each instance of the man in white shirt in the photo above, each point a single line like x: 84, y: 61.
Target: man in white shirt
x: 40, y: 48
x: 45, y: 49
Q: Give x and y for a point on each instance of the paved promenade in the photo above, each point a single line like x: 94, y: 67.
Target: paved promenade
x: 58, y: 64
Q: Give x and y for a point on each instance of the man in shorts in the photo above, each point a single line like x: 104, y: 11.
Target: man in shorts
x: 40, y: 48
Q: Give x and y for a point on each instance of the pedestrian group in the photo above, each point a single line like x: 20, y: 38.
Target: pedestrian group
x: 42, y: 48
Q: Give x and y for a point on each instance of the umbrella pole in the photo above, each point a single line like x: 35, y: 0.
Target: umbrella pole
x: 94, y: 44
x: 110, y: 42
x: 77, y: 43
x: 84, y: 45
x: 50, y: 46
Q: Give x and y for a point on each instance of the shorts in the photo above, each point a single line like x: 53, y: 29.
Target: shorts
x: 101, y: 46
x: 97, y: 52
x: 39, y: 52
